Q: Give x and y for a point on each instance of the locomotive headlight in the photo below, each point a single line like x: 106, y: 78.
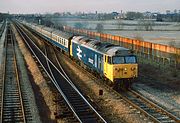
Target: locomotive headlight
x: 125, y: 68
x: 133, y: 68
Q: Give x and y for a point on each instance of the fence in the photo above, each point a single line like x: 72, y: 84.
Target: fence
x: 164, y: 54
x: 2, y: 28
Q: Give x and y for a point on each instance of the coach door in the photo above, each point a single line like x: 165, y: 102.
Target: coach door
x: 99, y: 61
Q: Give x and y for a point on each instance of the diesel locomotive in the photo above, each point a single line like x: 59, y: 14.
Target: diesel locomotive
x: 117, y: 65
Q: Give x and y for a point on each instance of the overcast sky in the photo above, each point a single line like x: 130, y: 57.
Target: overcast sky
x: 43, y: 6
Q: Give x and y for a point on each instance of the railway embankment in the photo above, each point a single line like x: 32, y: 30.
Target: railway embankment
x: 43, y: 95
x: 114, y: 108
x: 25, y: 82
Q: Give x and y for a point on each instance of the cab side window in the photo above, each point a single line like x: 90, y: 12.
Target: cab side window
x: 109, y: 60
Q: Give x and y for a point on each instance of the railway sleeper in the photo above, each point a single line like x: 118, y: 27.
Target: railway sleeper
x: 64, y: 107
x: 78, y: 102
x: 72, y: 94
x: 10, y: 114
x: 68, y: 91
x: 12, y: 106
x: 163, y: 118
x: 168, y: 121
x: 81, y: 107
x: 11, y: 100
x: 84, y: 111
x: 75, y: 99
x: 143, y: 106
x: 13, y: 120
x: 13, y: 116
x: 12, y: 94
x: 149, y: 110
x: 10, y: 111
x: 28, y: 115
x: 88, y: 118
x: 65, y: 114
x: 7, y: 111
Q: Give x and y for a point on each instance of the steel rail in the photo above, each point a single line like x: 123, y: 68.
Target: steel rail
x: 17, y: 86
x: 176, y: 119
x: 51, y: 78
x: 155, y: 106
x: 63, y: 77
x: 71, y: 107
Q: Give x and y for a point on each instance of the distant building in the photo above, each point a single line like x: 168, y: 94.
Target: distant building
x: 147, y: 15
x: 120, y: 16
x: 168, y: 11
x: 114, y: 13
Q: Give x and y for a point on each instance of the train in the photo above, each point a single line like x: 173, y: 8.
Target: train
x: 115, y: 64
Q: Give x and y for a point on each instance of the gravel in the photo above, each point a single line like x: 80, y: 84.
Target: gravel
x: 166, y: 98
x: 43, y: 88
x: 114, y: 109
x: 26, y: 86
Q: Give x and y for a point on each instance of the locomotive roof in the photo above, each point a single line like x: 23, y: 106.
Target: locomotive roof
x: 104, y: 47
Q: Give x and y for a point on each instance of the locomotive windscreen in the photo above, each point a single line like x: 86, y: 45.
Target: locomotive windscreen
x: 123, y: 59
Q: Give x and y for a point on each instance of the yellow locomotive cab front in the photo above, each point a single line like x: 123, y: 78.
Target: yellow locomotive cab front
x: 121, y: 69
x: 125, y: 71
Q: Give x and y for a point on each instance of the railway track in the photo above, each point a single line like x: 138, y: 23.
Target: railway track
x: 146, y: 106
x: 151, y: 110
x: 64, y: 111
x: 12, y: 107
x: 81, y: 108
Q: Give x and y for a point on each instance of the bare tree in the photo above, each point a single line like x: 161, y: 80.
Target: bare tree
x: 78, y: 25
x: 86, y: 24
x: 120, y: 24
x: 146, y: 25
x: 99, y: 27
x: 59, y: 25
